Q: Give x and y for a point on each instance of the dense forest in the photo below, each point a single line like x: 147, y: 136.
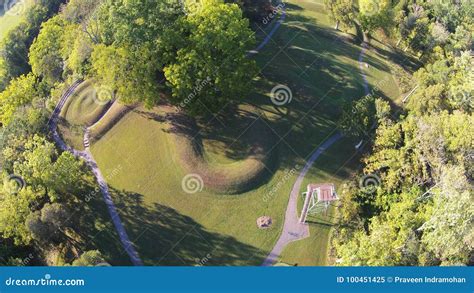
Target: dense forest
x: 413, y: 206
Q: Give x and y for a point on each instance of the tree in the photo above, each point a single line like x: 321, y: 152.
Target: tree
x: 89, y: 258
x: 341, y: 11
x: 20, y: 92
x: 67, y: 174
x: 448, y: 232
x: 56, y: 214
x: 36, y: 160
x: 14, y: 210
x: 358, y: 118
x: 135, y: 22
x: 15, y: 46
x: 444, y: 85
x: 210, y: 71
x: 45, y: 53
x: 390, y: 239
x: 255, y: 10
x: 78, y: 59
x: 39, y: 230
x: 374, y: 14
x: 130, y: 72
x: 49, y: 224
x: 79, y: 11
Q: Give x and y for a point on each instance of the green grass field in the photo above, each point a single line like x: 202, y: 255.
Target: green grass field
x: 10, y: 19
x: 142, y: 163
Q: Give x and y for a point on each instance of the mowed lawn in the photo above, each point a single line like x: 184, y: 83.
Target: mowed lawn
x: 172, y: 227
x: 10, y: 19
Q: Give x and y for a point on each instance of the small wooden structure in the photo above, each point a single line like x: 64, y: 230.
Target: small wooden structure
x: 318, y: 197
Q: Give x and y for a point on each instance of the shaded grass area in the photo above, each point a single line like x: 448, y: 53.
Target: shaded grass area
x: 248, y: 162
x: 320, y: 67
x: 10, y: 19
x: 92, y: 226
x: 151, y: 168
x: 167, y: 237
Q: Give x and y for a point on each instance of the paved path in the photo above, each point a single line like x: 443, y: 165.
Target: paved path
x: 292, y: 229
x: 87, y: 156
x: 272, y: 32
x: 361, y: 67
x: 274, y: 29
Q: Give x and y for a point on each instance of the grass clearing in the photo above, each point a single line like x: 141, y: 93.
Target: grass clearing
x: 143, y: 167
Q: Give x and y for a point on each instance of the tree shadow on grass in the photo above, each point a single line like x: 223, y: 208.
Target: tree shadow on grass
x: 97, y: 229
x: 163, y: 236
x: 320, y: 66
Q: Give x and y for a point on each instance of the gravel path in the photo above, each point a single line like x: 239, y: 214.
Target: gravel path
x: 293, y: 230
x: 87, y: 156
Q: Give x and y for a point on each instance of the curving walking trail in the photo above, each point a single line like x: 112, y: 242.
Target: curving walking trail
x: 89, y: 159
x: 361, y: 67
x: 273, y: 30
x: 87, y: 156
x: 293, y: 230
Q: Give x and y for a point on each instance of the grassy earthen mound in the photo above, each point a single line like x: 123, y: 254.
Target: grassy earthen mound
x: 83, y: 108
x: 229, y: 160
x: 245, y: 138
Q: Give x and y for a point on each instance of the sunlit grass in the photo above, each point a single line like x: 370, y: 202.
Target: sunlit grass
x: 323, y: 73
